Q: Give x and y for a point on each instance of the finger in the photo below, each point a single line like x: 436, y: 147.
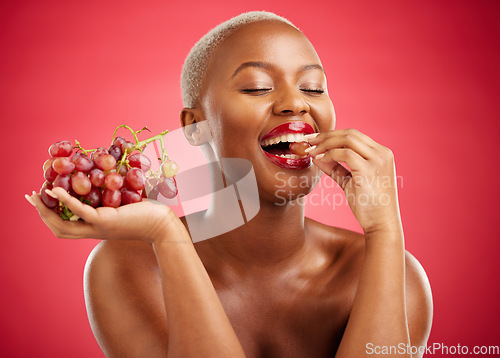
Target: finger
x: 28, y: 198
x: 314, y: 140
x: 344, y: 141
x: 62, y: 228
x: 337, y: 171
x: 84, y: 211
x: 340, y: 174
x: 309, y: 137
x: 47, y: 215
x: 353, y: 160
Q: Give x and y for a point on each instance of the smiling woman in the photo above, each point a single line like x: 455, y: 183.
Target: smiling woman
x: 281, y: 285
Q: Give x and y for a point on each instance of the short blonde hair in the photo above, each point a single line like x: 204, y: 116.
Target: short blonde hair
x: 196, y: 63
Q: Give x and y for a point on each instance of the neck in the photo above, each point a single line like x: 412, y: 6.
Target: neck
x: 274, y: 235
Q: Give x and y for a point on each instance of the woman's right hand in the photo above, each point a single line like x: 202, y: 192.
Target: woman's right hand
x: 146, y: 221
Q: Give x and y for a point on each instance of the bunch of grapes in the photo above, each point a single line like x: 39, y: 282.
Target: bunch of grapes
x: 111, y: 177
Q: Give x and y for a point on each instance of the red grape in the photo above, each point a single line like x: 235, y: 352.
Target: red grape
x: 128, y: 147
x: 49, y: 201
x: 135, y: 179
x: 153, y: 194
x: 61, y: 149
x: 130, y: 197
x: 152, y: 186
x: 299, y: 148
x: 63, y: 181
x: 63, y: 165
x: 113, y: 181
x: 119, y: 141
x: 123, y: 170
x: 48, y: 163
x: 74, y: 194
x: 81, y: 183
x: 105, y: 162
x: 115, y: 151
x: 97, y: 177
x: 50, y: 174
x: 82, y: 162
x: 111, y: 198
x: 139, y: 160
x: 99, y: 151
x: 93, y: 198
x: 167, y: 187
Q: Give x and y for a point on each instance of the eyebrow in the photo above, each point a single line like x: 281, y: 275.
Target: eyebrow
x: 259, y: 64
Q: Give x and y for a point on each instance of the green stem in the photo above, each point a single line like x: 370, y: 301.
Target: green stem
x: 124, y: 156
x: 164, y: 154
x: 143, y: 129
x: 85, y: 151
x: 131, y: 131
x: 145, y: 142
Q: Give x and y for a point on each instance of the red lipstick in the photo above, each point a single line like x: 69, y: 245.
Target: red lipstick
x: 289, y: 127
x: 275, y: 144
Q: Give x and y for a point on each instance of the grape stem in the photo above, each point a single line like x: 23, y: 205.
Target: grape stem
x: 140, y: 144
x: 85, y: 151
x: 124, y: 156
x: 131, y: 131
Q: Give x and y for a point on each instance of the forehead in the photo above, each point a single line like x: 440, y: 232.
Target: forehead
x: 269, y: 41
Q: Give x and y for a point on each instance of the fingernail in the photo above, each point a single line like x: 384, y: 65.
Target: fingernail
x: 49, y: 192
x: 29, y: 199
x: 33, y: 192
x: 319, y: 156
x: 307, y: 150
x: 311, y: 136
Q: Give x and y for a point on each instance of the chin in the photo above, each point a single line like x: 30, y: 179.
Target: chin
x: 283, y: 186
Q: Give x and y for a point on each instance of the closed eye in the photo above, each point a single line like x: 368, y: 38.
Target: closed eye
x: 256, y: 90
x: 315, y: 91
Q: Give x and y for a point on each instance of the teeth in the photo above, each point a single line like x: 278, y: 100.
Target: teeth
x: 290, y: 137
x: 290, y: 156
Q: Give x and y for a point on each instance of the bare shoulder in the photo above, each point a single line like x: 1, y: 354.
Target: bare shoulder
x: 419, y: 305
x: 346, y: 244
x: 124, y: 300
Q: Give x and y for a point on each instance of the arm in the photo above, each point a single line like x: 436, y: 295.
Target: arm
x: 380, y: 313
x: 197, y: 323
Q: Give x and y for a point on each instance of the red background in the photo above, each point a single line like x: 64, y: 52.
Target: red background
x: 420, y: 77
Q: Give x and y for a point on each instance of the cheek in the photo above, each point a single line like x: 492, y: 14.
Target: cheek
x: 324, y: 113
x: 236, y: 125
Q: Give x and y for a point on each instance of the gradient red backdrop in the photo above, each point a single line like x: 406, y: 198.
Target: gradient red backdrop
x: 421, y: 77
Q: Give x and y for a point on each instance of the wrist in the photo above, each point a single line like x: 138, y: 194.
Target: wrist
x: 392, y: 230
x: 170, y: 230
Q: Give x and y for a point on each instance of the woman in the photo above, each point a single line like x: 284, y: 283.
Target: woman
x: 281, y: 285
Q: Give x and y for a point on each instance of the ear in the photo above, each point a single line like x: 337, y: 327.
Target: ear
x: 194, y: 126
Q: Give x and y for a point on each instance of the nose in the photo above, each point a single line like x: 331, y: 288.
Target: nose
x: 290, y: 102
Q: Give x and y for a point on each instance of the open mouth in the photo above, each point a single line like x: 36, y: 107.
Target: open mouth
x: 276, y: 145
x: 280, y: 145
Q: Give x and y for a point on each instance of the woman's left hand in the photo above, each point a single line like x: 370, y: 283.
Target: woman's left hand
x: 370, y: 185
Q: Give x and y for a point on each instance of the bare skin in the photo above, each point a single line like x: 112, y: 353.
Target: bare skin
x: 281, y: 285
